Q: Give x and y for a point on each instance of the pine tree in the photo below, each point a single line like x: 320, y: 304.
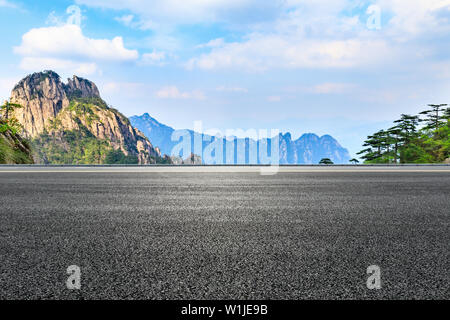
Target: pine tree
x: 395, y: 133
x: 326, y: 161
x: 434, y: 119
x: 7, y: 108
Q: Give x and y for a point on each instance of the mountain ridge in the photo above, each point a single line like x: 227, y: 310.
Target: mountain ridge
x: 309, y: 148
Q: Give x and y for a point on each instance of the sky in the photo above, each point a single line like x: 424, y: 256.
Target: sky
x: 339, y: 67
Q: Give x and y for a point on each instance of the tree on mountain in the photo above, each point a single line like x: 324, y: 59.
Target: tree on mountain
x: 408, y: 126
x: 7, y: 108
x: 379, y: 147
x: 326, y: 161
x: 395, y: 134
x: 406, y: 142
x: 434, y: 119
x: 8, y: 122
x: 354, y: 161
x: 447, y: 115
x: 408, y: 134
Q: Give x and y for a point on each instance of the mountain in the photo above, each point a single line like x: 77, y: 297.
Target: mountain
x: 158, y: 133
x: 71, y: 124
x: 308, y: 149
x: 13, y: 148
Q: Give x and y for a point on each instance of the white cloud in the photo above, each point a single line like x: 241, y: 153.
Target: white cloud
x: 262, y: 52
x: 220, y: 42
x: 69, y: 41
x: 319, y: 34
x: 130, y: 20
x: 333, y: 88
x: 7, y: 4
x: 62, y: 65
x: 294, y: 34
x: 172, y: 92
x: 66, y: 48
x: 231, y: 89
x: 326, y: 88
x: 311, y: 34
x: 189, y: 11
x: 126, y: 19
x: 153, y: 58
x: 415, y: 17
x: 54, y: 19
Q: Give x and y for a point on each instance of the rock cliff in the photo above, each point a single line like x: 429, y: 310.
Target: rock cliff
x: 70, y: 123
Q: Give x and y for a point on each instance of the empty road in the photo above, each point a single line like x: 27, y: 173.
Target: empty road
x: 224, y: 233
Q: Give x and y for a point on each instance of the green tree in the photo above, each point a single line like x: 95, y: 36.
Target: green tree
x: 326, y: 161
x: 8, y: 122
x: 395, y: 134
x: 379, y: 148
x: 446, y: 115
x: 406, y: 142
x: 354, y: 161
x: 434, y: 118
x: 408, y: 133
x: 118, y: 157
x: 8, y: 108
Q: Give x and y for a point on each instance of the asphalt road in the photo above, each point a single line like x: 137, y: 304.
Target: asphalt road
x: 199, y: 234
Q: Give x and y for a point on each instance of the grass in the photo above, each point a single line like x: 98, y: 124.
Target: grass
x: 12, y: 155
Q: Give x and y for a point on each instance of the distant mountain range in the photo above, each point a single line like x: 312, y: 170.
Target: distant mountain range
x: 308, y: 149
x: 69, y: 123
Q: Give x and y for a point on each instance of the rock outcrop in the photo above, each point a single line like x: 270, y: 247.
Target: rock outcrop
x: 54, y: 113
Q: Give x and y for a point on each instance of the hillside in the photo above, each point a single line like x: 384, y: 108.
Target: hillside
x: 13, y: 148
x: 308, y: 149
x: 71, y: 124
x: 422, y: 138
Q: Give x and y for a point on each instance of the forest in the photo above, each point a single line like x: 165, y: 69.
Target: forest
x: 421, y: 138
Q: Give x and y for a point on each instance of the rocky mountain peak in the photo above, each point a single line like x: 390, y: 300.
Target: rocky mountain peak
x: 54, y: 113
x: 42, y: 96
x: 45, y: 84
x: 83, y: 88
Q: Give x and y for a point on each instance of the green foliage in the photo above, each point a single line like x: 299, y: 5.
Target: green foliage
x: 8, y: 122
x: 78, y: 147
x: 434, y: 119
x: 118, y: 157
x: 326, y: 161
x: 8, y: 108
x: 407, y: 143
x: 13, y: 149
x: 91, y: 101
x: 84, y: 110
x: 13, y: 155
x: 71, y: 147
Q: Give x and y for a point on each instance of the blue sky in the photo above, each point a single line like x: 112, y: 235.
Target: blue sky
x: 338, y: 67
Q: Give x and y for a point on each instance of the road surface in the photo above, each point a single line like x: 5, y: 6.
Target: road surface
x: 224, y: 233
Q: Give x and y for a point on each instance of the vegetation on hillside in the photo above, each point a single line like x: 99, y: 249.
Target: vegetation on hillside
x: 78, y: 147
x: 13, y: 148
x: 58, y: 146
x: 422, y: 138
